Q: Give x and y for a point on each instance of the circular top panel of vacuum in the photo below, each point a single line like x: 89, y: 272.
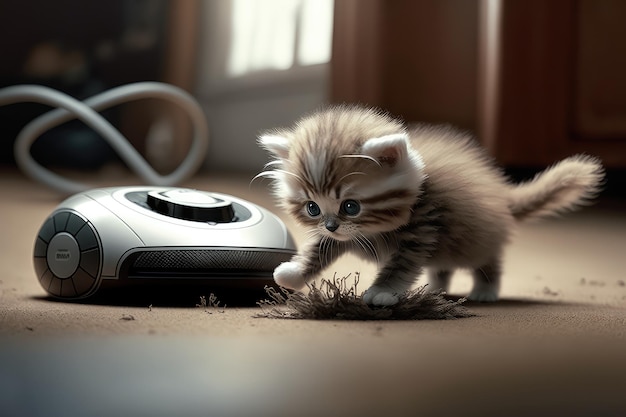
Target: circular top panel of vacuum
x: 187, y: 205
x: 191, y: 205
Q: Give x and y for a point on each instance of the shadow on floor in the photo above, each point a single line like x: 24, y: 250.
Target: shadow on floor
x: 241, y: 294
x: 182, y: 296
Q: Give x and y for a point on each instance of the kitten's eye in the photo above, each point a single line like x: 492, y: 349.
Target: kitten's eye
x: 313, y: 209
x: 351, y: 207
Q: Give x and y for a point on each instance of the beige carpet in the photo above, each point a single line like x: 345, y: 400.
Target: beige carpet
x: 554, y: 345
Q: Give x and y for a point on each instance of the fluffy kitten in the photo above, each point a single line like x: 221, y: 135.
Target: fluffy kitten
x: 428, y: 197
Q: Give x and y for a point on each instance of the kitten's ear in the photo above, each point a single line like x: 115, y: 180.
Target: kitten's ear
x: 276, y: 145
x: 389, y: 149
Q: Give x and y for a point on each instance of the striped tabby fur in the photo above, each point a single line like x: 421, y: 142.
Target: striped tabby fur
x: 426, y: 197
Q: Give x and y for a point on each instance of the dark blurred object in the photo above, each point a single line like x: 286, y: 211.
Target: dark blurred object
x: 80, y: 48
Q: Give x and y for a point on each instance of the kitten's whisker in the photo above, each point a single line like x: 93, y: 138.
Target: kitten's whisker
x: 358, y: 241
x: 272, y: 163
x: 330, y: 256
x: 364, y: 245
x: 484, y: 274
x: 366, y: 157
x: 352, y: 173
x: 262, y: 174
x: 370, y: 247
x: 282, y: 171
x: 323, y: 251
x: 329, y: 253
x: 320, y: 250
x: 387, y: 242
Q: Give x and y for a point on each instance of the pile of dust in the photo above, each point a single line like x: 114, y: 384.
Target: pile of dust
x: 336, y: 300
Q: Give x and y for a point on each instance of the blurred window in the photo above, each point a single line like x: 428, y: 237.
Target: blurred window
x: 279, y: 34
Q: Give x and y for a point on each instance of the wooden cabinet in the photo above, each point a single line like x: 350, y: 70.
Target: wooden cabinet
x: 416, y: 59
x: 536, y: 80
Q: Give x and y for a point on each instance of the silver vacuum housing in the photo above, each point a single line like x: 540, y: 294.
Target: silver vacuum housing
x: 168, y: 234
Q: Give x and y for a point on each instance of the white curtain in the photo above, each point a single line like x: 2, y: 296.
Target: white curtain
x: 279, y: 34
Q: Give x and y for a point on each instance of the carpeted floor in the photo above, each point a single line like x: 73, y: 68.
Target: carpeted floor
x: 554, y: 345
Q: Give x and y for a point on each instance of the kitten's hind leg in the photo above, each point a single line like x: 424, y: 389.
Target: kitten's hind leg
x: 438, y: 279
x: 486, y: 282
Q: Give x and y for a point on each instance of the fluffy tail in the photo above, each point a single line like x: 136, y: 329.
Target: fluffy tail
x: 563, y: 187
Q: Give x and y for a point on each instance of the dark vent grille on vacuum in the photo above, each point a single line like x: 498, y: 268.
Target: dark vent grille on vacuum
x: 207, y: 259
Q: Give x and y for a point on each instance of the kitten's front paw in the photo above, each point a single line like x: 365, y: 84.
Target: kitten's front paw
x: 289, y: 275
x: 378, y: 296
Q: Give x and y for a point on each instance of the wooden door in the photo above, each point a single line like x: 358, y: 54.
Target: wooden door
x: 553, y: 80
x: 536, y: 80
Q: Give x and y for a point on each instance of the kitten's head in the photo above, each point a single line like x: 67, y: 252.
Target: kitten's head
x: 346, y: 172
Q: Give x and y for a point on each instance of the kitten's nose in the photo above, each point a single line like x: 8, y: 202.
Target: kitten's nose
x: 332, y: 225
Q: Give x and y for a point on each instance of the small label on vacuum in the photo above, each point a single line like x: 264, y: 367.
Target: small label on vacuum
x: 63, y: 255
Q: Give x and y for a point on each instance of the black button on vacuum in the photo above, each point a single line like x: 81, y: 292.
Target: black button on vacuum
x: 47, y: 230
x: 41, y: 248
x: 90, y: 261
x: 86, y: 238
x: 74, y: 224
x: 191, y: 205
x: 60, y: 221
x: 83, y: 282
